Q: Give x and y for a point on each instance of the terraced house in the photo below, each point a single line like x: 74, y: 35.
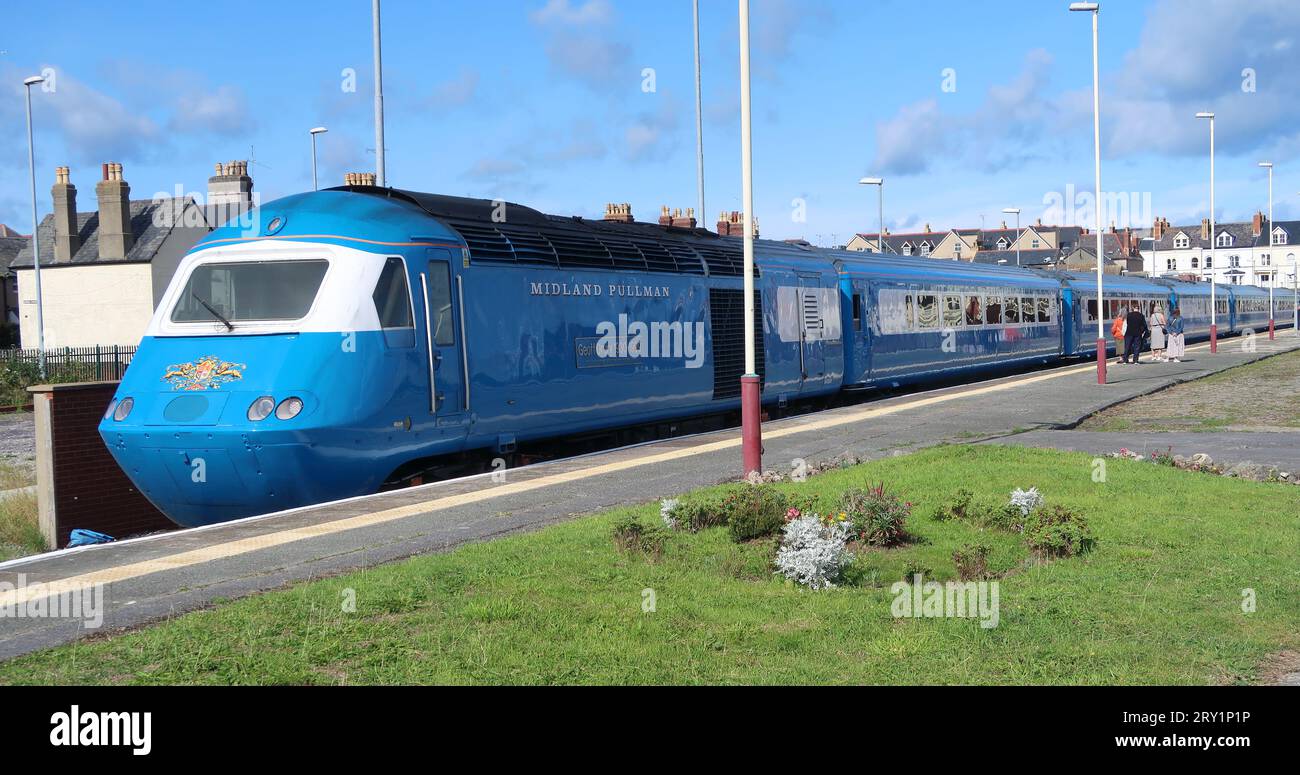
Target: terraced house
x: 1253, y: 253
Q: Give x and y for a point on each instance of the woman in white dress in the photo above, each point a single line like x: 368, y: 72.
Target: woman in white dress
x: 1157, y: 325
x: 1174, y: 351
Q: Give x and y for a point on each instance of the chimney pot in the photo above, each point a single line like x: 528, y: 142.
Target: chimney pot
x: 67, y: 237
x: 115, y: 235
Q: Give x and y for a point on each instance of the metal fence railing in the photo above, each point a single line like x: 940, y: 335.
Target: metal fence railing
x: 71, y: 364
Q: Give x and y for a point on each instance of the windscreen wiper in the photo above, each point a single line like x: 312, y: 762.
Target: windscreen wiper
x: 215, y: 314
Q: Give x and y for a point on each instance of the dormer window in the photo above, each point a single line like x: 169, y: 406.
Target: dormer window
x: 907, y: 248
x: 1224, y: 240
x: 1181, y: 241
x: 925, y: 248
x: 1279, y: 236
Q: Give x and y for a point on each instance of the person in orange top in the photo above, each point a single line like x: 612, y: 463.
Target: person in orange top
x: 1117, y: 331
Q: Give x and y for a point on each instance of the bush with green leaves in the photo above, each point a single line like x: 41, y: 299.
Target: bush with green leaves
x: 1057, y: 531
x: 813, y: 552
x: 632, y: 535
x: 754, y: 511
x: 879, y: 517
x: 965, y: 507
x: 693, y: 512
x: 972, y: 561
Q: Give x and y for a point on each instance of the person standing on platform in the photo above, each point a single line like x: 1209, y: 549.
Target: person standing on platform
x: 1158, y: 334
x: 1176, y: 343
x: 1135, y: 329
x: 1117, y: 331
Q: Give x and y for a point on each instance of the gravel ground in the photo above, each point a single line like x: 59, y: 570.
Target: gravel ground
x: 18, y: 443
x: 1257, y: 397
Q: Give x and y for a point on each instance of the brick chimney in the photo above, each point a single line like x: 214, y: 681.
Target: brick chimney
x: 230, y: 191
x: 67, y: 238
x: 1158, y: 228
x: 1205, y: 228
x: 732, y: 224
x: 115, y: 236
x: 684, y: 220
x: 620, y: 213
x: 359, y: 179
x: 1257, y: 223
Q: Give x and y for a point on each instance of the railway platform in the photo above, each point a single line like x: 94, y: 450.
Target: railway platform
x: 154, y: 577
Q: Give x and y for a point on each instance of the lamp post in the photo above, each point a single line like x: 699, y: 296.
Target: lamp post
x: 1015, y: 211
x: 699, y: 115
x: 750, y: 387
x: 320, y: 130
x: 1214, y: 242
x: 36, y: 237
x: 381, y: 179
x: 880, y: 182
x: 1095, y: 10
x: 1272, y: 276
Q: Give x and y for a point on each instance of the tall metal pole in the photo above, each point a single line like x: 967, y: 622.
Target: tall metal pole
x: 1272, y: 267
x: 699, y: 116
x: 751, y: 434
x: 1095, y: 10
x: 881, y: 200
x: 319, y: 130
x: 1214, y: 246
x: 36, y: 237
x: 380, y: 178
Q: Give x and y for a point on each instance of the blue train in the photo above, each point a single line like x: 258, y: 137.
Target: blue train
x: 351, y: 338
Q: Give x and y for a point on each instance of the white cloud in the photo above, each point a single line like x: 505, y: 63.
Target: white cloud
x: 562, y: 12
x: 223, y: 111
x: 456, y: 92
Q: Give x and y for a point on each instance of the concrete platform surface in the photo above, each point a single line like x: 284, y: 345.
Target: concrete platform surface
x: 160, y: 576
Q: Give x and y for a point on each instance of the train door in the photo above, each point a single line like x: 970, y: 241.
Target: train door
x: 444, y: 334
x: 812, y: 329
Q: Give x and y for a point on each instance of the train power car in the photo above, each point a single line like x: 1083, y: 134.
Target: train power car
x: 347, y: 339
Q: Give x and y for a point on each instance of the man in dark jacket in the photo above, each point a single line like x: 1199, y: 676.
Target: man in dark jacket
x: 1135, y: 327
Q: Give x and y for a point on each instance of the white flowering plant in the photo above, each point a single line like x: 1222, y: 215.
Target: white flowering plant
x: 666, y: 507
x: 1026, y: 500
x: 813, y: 551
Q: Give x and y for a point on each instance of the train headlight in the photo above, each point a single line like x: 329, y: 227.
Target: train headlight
x: 109, y: 411
x: 123, y: 409
x: 289, y: 408
x: 261, y: 408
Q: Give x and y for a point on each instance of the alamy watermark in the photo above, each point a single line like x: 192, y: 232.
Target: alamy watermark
x: 920, y: 599
x: 40, y: 600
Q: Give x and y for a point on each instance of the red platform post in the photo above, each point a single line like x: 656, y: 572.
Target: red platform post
x: 750, y: 424
x: 1214, y: 338
x: 1101, y: 361
x: 1270, y: 329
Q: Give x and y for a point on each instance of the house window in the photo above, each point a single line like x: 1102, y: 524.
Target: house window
x: 1181, y: 241
x: 1196, y: 262
x: 1234, y: 262
x: 1034, y: 244
x: 1209, y: 262
x: 1279, y: 236
x: 907, y: 248
x: 1003, y: 244
x: 1171, y: 264
x: 925, y: 248
x: 957, y: 250
x: 1266, y: 260
x: 1224, y: 240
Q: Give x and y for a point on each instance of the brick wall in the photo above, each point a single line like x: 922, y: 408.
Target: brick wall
x: 78, y: 483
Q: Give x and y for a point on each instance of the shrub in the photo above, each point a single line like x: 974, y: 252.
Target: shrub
x: 914, y: 568
x: 812, y: 553
x: 966, y: 508
x: 972, y: 561
x: 1057, y: 531
x: 631, y: 535
x: 878, y: 518
x: 755, y: 511
x: 960, y: 510
x: 1165, y: 458
x: 693, y: 513
x: 1026, y: 500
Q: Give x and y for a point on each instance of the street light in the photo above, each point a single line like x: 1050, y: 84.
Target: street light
x: 699, y: 114
x: 320, y: 130
x: 36, y: 237
x: 1214, y: 242
x: 1015, y: 211
x: 1272, y: 275
x: 1095, y: 10
x: 880, y: 236
x: 750, y: 430
x: 381, y: 179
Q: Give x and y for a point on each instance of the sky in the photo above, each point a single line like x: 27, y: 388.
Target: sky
x: 965, y: 108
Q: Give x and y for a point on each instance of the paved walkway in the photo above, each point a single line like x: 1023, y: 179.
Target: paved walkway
x: 155, y: 577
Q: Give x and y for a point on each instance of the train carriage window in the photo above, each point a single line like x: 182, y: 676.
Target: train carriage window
x: 857, y: 312
x: 1027, y: 309
x: 439, y: 280
x: 1092, y: 311
x: 974, y: 311
x: 911, y: 312
x: 392, y: 300
x: 927, y: 311
x: 893, y: 312
x: 952, y: 312
x: 1044, y: 309
x: 1011, y: 309
x: 993, y: 310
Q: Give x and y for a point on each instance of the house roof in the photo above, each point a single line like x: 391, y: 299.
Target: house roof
x: 1027, y: 257
x: 5, y: 231
x: 152, y: 222
x: 9, y: 247
x: 894, y: 242
x: 1243, y: 235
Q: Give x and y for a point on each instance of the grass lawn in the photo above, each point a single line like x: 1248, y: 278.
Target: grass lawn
x: 1224, y: 401
x: 1159, y: 600
x: 20, y: 531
